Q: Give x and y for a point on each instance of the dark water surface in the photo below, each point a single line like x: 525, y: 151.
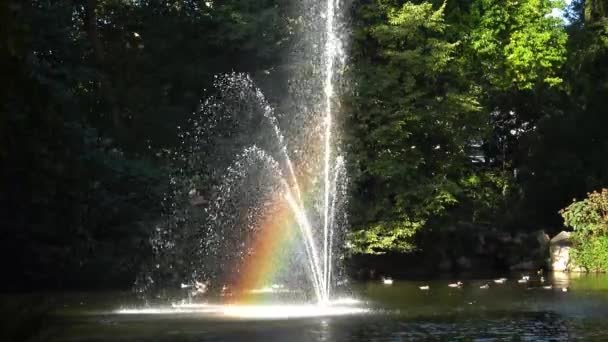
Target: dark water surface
x: 401, y: 312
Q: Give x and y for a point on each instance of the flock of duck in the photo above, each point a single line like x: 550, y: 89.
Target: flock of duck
x: 523, y: 280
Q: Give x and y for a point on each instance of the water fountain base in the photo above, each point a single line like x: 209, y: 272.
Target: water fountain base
x: 340, y: 307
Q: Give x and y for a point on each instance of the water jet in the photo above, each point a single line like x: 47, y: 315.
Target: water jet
x: 275, y: 214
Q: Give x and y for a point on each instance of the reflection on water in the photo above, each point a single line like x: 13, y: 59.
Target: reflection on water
x: 529, y: 326
x: 562, y: 279
x: 401, y: 312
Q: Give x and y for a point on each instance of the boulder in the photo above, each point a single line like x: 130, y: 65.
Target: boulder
x: 543, y: 239
x: 560, y: 247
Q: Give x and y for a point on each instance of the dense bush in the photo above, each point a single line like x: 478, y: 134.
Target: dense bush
x: 589, y: 219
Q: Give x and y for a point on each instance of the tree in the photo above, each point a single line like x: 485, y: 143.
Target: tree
x: 87, y: 86
x: 564, y: 157
x: 517, y: 44
x: 414, y: 120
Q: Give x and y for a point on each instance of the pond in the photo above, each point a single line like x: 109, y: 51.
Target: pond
x: 397, y: 312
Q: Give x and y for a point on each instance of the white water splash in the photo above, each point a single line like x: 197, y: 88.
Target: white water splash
x: 345, y: 306
x: 315, y: 218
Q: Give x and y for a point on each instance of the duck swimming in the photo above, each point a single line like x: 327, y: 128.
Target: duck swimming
x: 387, y: 281
x: 456, y: 284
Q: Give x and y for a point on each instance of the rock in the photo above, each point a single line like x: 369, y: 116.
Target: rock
x: 543, y: 239
x: 542, y: 252
x: 464, y: 263
x: 562, y: 238
x: 560, y: 258
x: 560, y: 247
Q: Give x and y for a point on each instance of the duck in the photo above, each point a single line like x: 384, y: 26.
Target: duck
x: 542, y: 279
x: 456, y: 284
x: 500, y: 280
x: 485, y: 286
x: 387, y: 281
x: 424, y: 287
x: 564, y: 289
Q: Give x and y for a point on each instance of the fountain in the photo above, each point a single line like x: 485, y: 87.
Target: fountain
x: 273, y: 218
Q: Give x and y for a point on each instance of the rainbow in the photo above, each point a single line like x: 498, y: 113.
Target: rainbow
x: 276, y: 237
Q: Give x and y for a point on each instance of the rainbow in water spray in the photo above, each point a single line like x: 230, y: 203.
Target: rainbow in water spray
x: 258, y: 272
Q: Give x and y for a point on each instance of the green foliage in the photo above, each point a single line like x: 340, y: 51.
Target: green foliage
x: 91, y: 92
x: 483, y: 194
x: 589, y: 219
x: 467, y: 112
x: 384, y: 236
x: 456, y: 113
x: 592, y: 253
x: 565, y: 154
x: 161, y: 58
x: 518, y: 43
x: 413, y: 120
